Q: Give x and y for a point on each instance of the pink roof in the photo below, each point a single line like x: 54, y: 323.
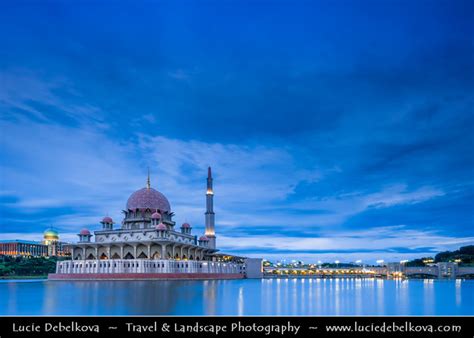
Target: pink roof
x: 186, y: 225
x: 107, y: 219
x: 156, y: 215
x: 203, y: 238
x: 84, y: 232
x: 148, y: 198
x: 161, y: 226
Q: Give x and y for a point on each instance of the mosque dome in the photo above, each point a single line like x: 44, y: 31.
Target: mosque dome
x: 148, y: 198
x: 185, y: 225
x: 203, y: 238
x: 51, y: 234
x: 85, y: 232
x: 161, y: 226
x: 107, y: 219
x: 155, y: 216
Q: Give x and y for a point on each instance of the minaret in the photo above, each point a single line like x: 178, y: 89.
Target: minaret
x: 148, y: 185
x: 210, y: 232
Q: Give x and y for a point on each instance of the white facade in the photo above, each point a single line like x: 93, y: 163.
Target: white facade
x: 152, y: 266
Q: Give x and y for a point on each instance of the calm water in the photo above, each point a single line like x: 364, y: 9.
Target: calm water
x: 239, y: 297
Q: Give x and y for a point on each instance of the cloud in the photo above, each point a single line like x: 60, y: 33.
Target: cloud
x: 312, y: 131
x: 390, y: 242
x: 24, y: 91
x: 81, y: 174
x: 83, y: 171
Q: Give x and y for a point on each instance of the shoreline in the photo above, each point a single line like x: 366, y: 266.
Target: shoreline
x: 45, y: 277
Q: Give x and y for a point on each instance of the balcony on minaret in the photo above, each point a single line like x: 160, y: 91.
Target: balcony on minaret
x: 107, y: 223
x: 84, y: 236
x: 186, y: 228
x: 204, y: 241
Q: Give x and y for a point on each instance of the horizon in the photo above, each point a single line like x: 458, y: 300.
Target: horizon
x: 335, y: 131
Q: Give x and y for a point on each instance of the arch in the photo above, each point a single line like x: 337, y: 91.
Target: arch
x: 103, y: 250
x: 156, y: 255
x: 191, y: 257
x: 79, y: 256
x: 128, y: 249
x: 115, y: 252
x: 169, y: 255
x: 184, y: 257
x: 128, y: 256
x: 142, y: 251
x: 421, y: 275
x: 176, y: 256
x: 155, y: 248
x: 90, y: 251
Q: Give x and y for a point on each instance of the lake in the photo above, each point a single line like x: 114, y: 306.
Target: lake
x: 339, y: 296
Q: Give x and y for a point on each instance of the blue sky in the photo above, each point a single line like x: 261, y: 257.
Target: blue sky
x: 335, y: 129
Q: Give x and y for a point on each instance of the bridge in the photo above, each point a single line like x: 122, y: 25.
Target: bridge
x: 438, y: 270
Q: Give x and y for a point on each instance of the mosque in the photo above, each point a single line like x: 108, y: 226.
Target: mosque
x: 148, y: 245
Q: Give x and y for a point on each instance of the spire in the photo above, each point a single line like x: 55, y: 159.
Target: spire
x: 148, y: 179
x: 209, y: 182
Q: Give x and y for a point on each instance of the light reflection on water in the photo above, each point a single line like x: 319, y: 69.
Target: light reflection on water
x: 339, y: 296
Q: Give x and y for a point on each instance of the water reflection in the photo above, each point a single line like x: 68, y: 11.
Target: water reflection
x: 458, y: 292
x: 339, y: 296
x: 428, y: 296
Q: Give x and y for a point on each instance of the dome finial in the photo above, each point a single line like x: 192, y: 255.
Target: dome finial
x: 148, y: 179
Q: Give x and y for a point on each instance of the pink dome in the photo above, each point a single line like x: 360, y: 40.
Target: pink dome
x: 156, y: 215
x: 148, y: 198
x: 186, y: 225
x: 107, y: 219
x: 204, y: 238
x: 161, y: 226
x: 84, y: 232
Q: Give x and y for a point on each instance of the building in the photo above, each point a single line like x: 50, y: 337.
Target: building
x: 18, y: 247
x: 50, y: 246
x: 148, y: 244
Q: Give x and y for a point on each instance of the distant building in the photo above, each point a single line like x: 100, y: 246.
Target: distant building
x: 55, y: 246
x: 18, y: 247
x: 50, y: 246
